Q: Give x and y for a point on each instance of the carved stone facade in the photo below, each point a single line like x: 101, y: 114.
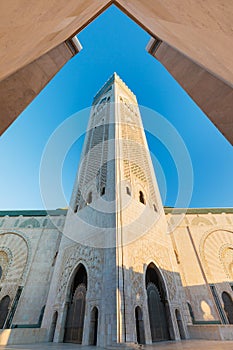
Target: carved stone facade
x: 27, y: 250
x: 108, y: 270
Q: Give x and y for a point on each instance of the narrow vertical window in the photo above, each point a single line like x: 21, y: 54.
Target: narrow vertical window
x: 89, y: 198
x: 141, y: 197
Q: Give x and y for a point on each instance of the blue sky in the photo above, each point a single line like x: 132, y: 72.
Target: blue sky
x: 111, y: 43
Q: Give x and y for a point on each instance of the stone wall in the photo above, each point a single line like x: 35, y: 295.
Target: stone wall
x: 30, y: 244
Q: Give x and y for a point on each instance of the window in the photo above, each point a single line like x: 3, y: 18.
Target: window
x: 177, y: 256
x: 154, y: 207
x: 76, y: 208
x: 102, y: 191
x: 141, y: 197
x: 54, y: 258
x: 128, y: 191
x: 89, y: 198
x: 0, y: 272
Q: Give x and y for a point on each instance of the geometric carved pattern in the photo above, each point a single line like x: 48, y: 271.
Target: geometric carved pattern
x: 136, y: 162
x: 201, y: 221
x: 4, y: 262
x: 92, y: 258
x: 216, y: 253
x: 30, y: 223
x: 226, y: 256
x: 160, y: 256
x: 16, y: 249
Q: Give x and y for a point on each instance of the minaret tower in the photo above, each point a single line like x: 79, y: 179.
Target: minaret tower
x: 115, y: 270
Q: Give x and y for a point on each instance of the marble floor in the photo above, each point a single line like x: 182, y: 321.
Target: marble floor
x: 183, y: 345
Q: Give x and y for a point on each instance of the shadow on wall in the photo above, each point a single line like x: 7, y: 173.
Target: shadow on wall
x: 163, y: 316
x: 168, y: 315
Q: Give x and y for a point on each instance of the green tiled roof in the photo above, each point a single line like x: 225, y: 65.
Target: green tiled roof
x: 33, y: 212
x: 169, y: 210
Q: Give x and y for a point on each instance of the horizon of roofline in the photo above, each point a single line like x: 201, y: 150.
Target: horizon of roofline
x: 63, y: 211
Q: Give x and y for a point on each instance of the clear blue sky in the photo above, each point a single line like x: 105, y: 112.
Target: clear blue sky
x: 111, y: 43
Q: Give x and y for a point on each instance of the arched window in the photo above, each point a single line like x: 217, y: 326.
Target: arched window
x: 76, y: 208
x: 94, y: 327
x: 128, y: 191
x: 89, y: 198
x: 141, y: 197
x: 102, y: 191
x: 154, y: 207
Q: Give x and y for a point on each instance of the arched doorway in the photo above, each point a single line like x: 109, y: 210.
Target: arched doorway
x: 4, y: 308
x: 53, y: 326
x: 157, y: 304
x: 94, y: 326
x: 76, y: 307
x: 139, y: 325
x: 180, y: 324
x: 228, y: 306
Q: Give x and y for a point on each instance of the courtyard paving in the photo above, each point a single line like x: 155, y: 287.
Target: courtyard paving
x: 182, y: 345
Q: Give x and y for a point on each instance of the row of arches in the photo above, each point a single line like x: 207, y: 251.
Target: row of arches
x: 158, y: 310
x: 160, y: 320
x: 227, y: 307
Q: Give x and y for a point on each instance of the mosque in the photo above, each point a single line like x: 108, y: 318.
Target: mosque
x: 116, y: 267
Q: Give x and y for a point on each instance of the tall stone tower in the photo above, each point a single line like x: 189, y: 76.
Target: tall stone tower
x: 115, y: 278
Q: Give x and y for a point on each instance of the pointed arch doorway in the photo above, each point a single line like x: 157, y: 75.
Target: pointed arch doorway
x: 76, y: 307
x: 157, y: 305
x: 4, y: 309
x: 94, y: 326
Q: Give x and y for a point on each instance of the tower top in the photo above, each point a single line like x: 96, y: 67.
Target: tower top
x: 113, y: 79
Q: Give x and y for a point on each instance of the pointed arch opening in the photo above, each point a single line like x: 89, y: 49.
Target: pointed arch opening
x: 76, y: 307
x: 140, y: 331
x: 4, y: 309
x: 228, y: 306
x: 158, y: 308
x: 93, y: 337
